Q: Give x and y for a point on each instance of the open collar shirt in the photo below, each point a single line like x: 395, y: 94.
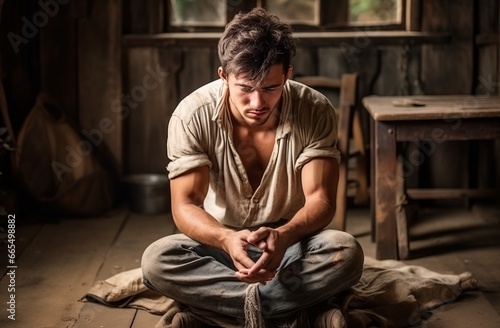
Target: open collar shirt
x: 200, y: 133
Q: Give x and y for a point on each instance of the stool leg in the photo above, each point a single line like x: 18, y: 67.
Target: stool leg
x: 344, y: 130
x: 362, y: 194
x: 340, y: 213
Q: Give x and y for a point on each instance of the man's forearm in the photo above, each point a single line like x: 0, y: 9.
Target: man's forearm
x: 314, y: 216
x: 197, y: 224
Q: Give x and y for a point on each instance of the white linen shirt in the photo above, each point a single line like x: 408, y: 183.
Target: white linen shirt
x: 200, y: 133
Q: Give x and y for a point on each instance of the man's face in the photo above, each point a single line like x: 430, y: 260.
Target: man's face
x: 255, y: 105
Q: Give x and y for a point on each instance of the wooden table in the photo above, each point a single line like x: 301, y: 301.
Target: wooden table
x: 435, y: 119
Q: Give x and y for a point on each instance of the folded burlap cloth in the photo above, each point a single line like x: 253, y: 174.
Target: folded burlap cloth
x: 390, y: 293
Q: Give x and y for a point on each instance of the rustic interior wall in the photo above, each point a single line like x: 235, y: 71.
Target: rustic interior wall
x: 468, y: 65
x: 59, y: 48
x: 453, y: 68
x: 487, y: 81
x: 78, y: 57
x: 19, y: 48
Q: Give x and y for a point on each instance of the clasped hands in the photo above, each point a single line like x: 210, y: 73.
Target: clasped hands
x: 272, y: 244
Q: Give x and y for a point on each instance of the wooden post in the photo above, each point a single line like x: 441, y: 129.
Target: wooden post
x: 99, y: 76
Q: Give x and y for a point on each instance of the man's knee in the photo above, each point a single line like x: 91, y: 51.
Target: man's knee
x: 156, y: 253
x: 354, y: 257
x: 343, y: 248
x: 149, y: 262
x: 357, y: 258
x: 149, y: 257
x: 335, y: 239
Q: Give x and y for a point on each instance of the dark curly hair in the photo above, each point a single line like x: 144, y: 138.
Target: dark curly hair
x: 253, y: 42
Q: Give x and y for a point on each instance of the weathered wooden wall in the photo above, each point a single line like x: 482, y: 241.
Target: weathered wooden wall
x: 70, y: 50
x: 78, y: 57
x: 468, y: 65
x: 20, y: 61
x: 461, y: 66
x: 487, y: 82
x: 99, y: 83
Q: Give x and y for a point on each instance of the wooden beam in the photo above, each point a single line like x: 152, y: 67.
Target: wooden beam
x: 487, y: 39
x: 305, y: 39
x: 451, y: 193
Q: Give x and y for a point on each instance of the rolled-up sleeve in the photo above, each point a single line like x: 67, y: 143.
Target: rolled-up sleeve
x: 322, y: 140
x: 183, y: 148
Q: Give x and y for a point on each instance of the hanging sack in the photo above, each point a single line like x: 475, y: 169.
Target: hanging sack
x: 58, y: 166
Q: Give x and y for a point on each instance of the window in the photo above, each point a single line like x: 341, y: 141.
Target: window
x: 198, y: 12
x: 375, y: 11
x: 326, y: 15
x: 296, y: 11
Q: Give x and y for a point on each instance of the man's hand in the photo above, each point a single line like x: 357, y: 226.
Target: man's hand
x: 266, y: 239
x: 236, y: 245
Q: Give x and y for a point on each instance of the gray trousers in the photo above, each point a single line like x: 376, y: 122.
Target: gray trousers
x: 202, y: 277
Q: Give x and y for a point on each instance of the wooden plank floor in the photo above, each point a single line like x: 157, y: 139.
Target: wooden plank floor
x: 58, y: 262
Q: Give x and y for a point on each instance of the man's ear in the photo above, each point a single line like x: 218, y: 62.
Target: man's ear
x: 289, y: 73
x: 222, y: 74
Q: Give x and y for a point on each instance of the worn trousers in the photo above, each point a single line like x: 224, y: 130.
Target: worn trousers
x: 311, y: 272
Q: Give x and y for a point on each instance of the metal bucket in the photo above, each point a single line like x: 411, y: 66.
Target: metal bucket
x: 148, y: 193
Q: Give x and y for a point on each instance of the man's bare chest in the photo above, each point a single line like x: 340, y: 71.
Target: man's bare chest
x: 255, y: 151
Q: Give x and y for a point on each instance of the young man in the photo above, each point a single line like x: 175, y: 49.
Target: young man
x: 254, y: 171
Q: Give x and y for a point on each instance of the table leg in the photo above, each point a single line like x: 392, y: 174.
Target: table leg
x: 401, y: 220
x: 385, y: 190
x: 372, y: 181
